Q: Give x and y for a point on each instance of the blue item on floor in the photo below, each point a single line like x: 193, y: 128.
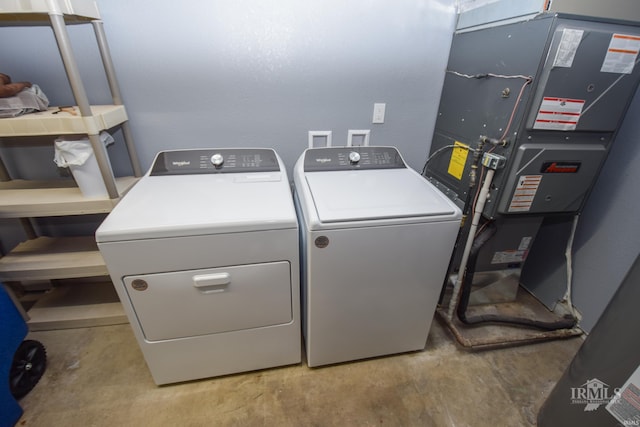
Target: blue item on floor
x: 13, y: 329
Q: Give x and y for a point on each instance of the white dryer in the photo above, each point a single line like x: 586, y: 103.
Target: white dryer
x: 204, y: 255
x: 376, y: 240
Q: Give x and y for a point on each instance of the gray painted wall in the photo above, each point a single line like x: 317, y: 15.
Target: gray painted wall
x: 255, y: 73
x: 247, y: 73
x: 608, y: 235
x: 607, y: 239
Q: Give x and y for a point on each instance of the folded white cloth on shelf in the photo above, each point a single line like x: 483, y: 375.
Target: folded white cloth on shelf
x: 28, y: 100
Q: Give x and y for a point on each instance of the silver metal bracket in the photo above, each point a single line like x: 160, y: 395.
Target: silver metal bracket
x: 493, y: 161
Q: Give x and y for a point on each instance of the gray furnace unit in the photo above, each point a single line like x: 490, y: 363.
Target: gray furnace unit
x: 538, y: 104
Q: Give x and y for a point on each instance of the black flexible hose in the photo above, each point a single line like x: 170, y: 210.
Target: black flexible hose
x: 467, y: 282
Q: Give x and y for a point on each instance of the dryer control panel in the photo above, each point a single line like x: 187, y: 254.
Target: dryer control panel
x: 214, y: 160
x: 352, y: 158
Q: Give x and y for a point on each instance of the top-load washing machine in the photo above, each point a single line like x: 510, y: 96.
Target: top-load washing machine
x: 376, y: 240
x: 204, y: 255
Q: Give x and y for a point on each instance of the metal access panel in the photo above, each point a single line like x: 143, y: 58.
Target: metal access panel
x: 551, y: 177
x: 590, y: 69
x: 558, y: 128
x: 510, y: 245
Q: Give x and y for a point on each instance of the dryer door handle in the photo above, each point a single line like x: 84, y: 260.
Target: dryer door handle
x: 211, y: 283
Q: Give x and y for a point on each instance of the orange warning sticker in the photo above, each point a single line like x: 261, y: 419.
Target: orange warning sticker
x: 622, y: 54
x: 525, y: 193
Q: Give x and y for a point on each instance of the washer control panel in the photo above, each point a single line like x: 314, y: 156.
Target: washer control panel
x: 352, y: 158
x: 214, y: 160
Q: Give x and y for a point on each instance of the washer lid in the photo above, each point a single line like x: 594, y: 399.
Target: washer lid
x: 375, y: 194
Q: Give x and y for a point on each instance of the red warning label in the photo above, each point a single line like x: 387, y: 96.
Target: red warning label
x: 559, y: 114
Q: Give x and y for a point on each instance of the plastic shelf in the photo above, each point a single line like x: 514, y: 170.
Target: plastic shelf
x: 54, y: 122
x: 22, y: 199
x: 37, y: 10
x: 47, y: 258
x: 53, y: 258
x: 77, y: 305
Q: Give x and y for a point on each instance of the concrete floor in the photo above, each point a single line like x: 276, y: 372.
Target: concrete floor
x: 97, y: 377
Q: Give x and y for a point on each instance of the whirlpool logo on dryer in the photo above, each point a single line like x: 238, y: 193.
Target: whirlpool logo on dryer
x: 181, y: 163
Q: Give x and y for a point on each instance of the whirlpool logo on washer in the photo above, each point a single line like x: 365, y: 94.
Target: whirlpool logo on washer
x: 323, y: 160
x: 181, y: 163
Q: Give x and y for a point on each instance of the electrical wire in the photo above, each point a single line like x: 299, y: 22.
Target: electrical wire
x: 527, y: 80
x: 486, y: 75
x: 515, y: 107
x: 440, y: 150
x: 482, y: 227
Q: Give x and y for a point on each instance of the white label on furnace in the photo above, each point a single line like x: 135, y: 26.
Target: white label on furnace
x: 558, y: 113
x: 508, y: 257
x: 568, y: 47
x: 621, y: 55
x: 625, y: 405
x: 525, y: 193
x: 524, y: 243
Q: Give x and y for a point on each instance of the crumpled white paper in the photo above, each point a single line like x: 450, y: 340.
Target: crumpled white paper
x: 70, y: 150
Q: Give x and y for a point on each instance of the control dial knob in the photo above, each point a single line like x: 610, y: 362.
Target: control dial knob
x: 217, y: 160
x: 354, y: 157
